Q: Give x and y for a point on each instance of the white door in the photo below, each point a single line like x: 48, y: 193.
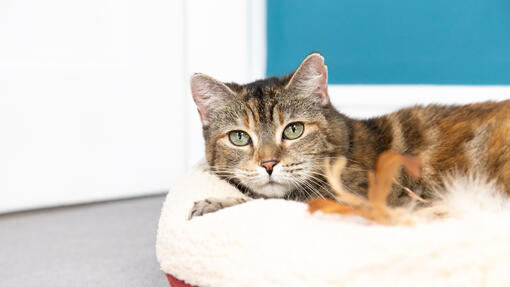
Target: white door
x: 91, y: 100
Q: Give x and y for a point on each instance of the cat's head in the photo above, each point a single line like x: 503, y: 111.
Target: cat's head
x: 271, y: 136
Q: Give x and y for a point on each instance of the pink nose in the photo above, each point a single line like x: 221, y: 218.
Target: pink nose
x: 268, y: 165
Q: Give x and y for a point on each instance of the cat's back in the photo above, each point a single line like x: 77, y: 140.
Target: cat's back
x: 472, y: 138
x: 476, y: 113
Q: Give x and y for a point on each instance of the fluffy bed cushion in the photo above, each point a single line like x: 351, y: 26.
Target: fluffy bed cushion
x: 278, y: 243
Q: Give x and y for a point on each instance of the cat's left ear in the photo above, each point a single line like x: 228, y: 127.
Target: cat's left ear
x: 208, y: 94
x: 311, y: 78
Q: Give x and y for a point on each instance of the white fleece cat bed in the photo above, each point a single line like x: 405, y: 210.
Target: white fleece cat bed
x: 279, y: 243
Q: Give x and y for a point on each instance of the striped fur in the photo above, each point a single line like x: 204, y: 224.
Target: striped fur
x: 472, y: 138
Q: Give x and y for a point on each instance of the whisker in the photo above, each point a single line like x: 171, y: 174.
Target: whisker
x: 310, y: 188
x: 323, y: 185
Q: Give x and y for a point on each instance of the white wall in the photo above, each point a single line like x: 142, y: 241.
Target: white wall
x: 91, y: 100
x: 363, y: 101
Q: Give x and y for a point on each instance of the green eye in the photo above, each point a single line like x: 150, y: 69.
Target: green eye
x: 293, y: 130
x: 239, y: 138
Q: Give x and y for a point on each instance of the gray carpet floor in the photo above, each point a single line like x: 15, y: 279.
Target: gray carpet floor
x: 106, y: 244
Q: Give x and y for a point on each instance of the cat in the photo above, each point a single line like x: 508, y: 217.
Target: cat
x: 271, y: 139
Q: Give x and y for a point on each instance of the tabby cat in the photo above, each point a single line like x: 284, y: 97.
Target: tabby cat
x: 271, y: 138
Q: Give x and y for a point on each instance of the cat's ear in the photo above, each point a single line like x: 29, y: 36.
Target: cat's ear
x: 311, y: 78
x: 207, y: 94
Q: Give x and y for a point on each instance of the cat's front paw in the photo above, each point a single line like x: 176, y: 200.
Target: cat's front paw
x: 213, y: 204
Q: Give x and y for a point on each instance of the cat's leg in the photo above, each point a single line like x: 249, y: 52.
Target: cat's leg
x: 214, y: 204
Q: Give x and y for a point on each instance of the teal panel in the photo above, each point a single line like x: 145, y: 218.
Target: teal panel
x: 394, y: 41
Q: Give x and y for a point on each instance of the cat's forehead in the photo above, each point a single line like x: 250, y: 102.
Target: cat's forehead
x: 264, y: 89
x: 267, y: 98
x: 263, y: 104
x: 263, y: 111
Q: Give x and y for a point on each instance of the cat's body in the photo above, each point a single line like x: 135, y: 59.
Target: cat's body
x: 272, y: 138
x: 451, y: 139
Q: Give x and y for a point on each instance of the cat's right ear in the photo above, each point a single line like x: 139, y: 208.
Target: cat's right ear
x: 208, y: 93
x: 311, y: 78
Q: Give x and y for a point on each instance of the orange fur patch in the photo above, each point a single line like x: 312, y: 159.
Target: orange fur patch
x: 374, y: 208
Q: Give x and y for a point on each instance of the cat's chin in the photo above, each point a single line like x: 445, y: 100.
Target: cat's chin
x: 272, y: 189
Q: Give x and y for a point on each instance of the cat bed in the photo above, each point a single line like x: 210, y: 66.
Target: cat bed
x: 279, y: 243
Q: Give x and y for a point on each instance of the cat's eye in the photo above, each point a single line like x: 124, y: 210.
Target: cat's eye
x: 239, y: 138
x: 293, y: 130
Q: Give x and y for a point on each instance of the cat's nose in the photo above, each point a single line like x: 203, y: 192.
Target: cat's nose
x: 268, y: 165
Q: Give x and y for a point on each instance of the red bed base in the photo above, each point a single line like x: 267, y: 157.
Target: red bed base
x: 174, y: 282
